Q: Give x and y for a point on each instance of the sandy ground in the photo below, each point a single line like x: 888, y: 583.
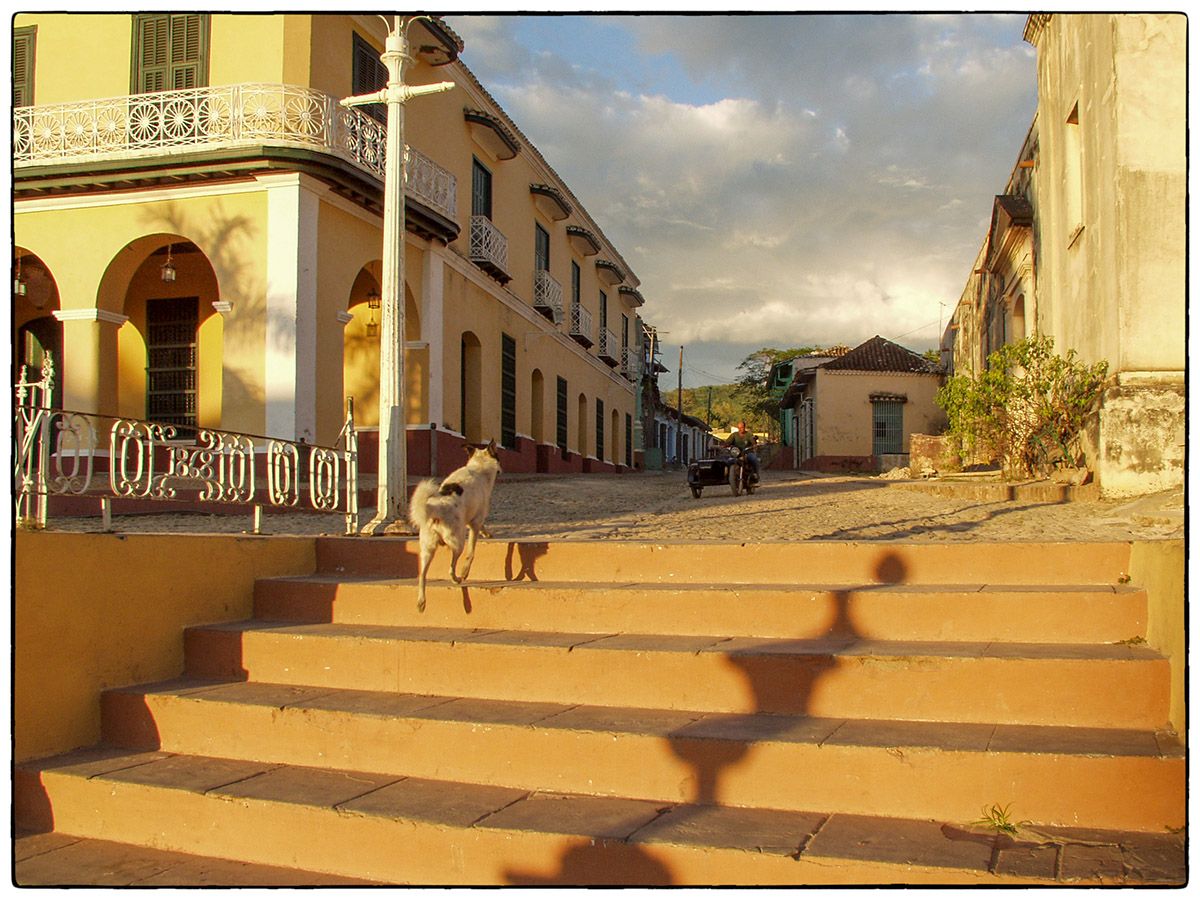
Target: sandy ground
x: 788, y: 506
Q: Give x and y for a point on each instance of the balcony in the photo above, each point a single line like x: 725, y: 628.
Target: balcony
x: 489, y: 248
x: 547, y: 296
x: 150, y: 128
x: 630, y: 363
x: 581, y: 325
x: 610, y: 349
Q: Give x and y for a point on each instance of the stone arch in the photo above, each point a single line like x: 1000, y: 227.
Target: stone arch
x: 36, y: 330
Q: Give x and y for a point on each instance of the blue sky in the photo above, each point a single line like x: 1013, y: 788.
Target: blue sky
x: 774, y: 180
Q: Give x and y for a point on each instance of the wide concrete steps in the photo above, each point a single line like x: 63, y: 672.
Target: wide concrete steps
x: 604, y: 713
x: 411, y: 830
x: 1024, y: 613
x: 1099, y: 686
x: 923, y: 769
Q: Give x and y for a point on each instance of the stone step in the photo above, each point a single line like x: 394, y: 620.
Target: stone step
x: 1101, y: 686
x: 938, y: 612
x: 708, y: 562
x: 409, y: 830
x: 916, y: 769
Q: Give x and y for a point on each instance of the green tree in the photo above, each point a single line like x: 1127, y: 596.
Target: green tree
x: 761, y: 410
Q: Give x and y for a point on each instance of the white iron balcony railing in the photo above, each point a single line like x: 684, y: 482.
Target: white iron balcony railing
x: 215, y: 118
x: 630, y: 360
x: 581, y: 325
x: 547, y: 296
x: 610, y: 349
x: 489, y: 246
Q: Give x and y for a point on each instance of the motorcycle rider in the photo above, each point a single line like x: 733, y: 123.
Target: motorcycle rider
x: 745, y: 442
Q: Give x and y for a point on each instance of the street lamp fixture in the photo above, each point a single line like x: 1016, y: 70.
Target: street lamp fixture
x: 168, y: 269
x: 393, y: 457
x: 19, y: 286
x: 373, y: 304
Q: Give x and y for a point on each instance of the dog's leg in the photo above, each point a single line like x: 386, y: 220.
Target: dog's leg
x: 472, y: 537
x: 429, y: 543
x: 456, y: 549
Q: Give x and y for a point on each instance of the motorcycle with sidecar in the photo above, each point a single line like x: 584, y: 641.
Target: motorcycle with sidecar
x: 731, y: 469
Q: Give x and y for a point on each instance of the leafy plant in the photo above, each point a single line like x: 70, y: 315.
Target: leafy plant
x: 997, y: 817
x: 1028, y: 409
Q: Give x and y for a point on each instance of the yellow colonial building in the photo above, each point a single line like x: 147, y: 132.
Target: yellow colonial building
x: 198, y: 241
x: 1088, y: 241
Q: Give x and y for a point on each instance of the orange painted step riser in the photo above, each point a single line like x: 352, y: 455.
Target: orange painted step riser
x: 1094, y: 693
x: 1049, y: 788
x: 969, y: 615
x: 812, y: 562
x: 404, y: 852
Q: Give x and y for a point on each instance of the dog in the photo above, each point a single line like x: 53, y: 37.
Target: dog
x: 452, y: 513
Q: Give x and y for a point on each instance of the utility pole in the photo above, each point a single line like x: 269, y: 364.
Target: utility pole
x: 679, y: 410
x: 393, y: 456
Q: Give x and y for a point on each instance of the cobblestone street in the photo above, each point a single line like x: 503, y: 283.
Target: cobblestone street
x: 788, y: 506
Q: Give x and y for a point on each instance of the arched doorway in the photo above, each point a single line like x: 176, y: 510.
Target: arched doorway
x: 36, y: 331
x: 537, y: 401
x: 1017, y: 332
x: 471, y: 388
x: 614, y: 431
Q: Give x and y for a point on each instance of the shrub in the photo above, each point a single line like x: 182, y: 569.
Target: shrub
x: 1028, y: 410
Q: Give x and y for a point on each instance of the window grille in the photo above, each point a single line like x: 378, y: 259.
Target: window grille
x: 599, y: 429
x: 887, y: 427
x: 508, y: 391
x: 561, y: 420
x: 628, y: 440
x: 171, y: 357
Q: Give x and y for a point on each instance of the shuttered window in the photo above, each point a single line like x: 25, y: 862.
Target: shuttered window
x: 508, y: 391
x: 560, y: 431
x: 541, y: 248
x: 24, y: 40
x: 368, y: 74
x: 628, y: 440
x: 481, y: 190
x: 170, y: 52
x: 599, y: 429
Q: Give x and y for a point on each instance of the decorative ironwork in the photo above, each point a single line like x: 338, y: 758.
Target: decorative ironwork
x: 219, y: 117
x: 630, y: 358
x: 581, y: 324
x: 610, y: 349
x: 488, y: 244
x: 548, y: 295
x: 56, y: 453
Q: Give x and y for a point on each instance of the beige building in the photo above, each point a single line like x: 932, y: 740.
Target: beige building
x: 857, y: 411
x: 198, y: 240
x: 1088, y: 243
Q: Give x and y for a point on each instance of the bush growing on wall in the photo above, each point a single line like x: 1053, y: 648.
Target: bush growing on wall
x: 1028, y: 410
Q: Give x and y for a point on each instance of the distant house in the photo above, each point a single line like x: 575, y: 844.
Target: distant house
x: 856, y: 412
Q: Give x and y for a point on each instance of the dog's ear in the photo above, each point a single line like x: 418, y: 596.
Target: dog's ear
x: 491, y: 447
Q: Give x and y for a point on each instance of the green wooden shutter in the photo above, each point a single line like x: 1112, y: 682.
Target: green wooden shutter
x: 368, y: 74
x: 170, y: 52
x: 24, y: 40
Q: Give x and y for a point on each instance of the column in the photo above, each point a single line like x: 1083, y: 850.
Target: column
x: 433, y: 273
x: 89, y: 379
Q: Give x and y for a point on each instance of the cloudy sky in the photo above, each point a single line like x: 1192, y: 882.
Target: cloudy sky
x: 774, y: 180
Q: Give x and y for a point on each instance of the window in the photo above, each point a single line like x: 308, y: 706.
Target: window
x: 624, y: 331
x: 1073, y: 175
x: 541, y: 249
x: 887, y: 417
x: 170, y: 52
x: 171, y: 360
x: 599, y: 429
x: 575, y: 282
x: 508, y: 391
x: 24, y: 40
x: 368, y: 74
x: 481, y: 190
x: 603, y: 311
x: 629, y: 440
x: 560, y: 429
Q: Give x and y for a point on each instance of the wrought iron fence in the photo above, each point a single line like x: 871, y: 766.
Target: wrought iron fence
x: 60, y: 452
x: 488, y: 243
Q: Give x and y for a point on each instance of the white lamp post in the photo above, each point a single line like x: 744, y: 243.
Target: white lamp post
x: 393, y: 456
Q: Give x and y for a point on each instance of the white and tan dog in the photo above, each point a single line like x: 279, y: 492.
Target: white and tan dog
x: 452, y: 513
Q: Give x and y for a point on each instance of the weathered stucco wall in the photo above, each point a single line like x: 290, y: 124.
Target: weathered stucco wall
x: 97, y: 611
x: 843, y: 408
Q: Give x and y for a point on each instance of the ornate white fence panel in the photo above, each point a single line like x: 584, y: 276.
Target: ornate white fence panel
x: 488, y: 243
x: 548, y: 295
x: 56, y: 453
x: 581, y: 322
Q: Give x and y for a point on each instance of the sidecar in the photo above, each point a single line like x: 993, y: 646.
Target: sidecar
x: 702, y: 473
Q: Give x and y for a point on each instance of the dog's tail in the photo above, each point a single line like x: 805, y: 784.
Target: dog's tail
x: 432, y: 501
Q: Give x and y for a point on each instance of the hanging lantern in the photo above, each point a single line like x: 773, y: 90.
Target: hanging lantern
x: 19, y: 287
x: 373, y: 303
x: 168, y: 269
